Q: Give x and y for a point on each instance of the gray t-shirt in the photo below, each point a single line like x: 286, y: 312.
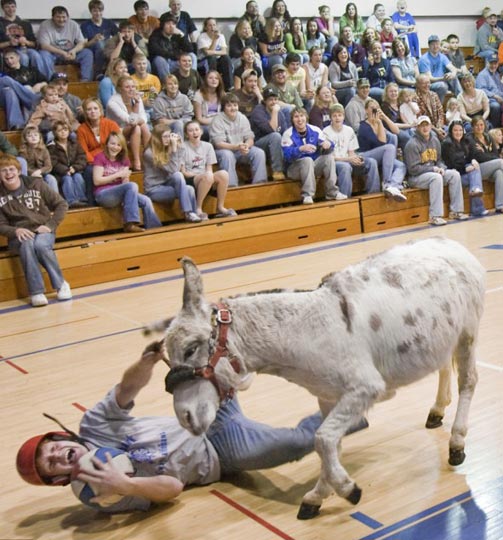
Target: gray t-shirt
x: 64, y: 38
x: 155, y: 444
x: 196, y: 159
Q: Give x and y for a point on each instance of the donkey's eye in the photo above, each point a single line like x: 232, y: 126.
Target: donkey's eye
x: 189, y: 352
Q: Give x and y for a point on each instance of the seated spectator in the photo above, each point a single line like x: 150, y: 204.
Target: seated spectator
x: 268, y: 125
x: 438, y: 68
x: 146, y: 83
x: 377, y: 17
x: 315, y: 39
x: 369, y: 36
x: 163, y: 180
x: 342, y: 74
x: 427, y: 171
x: 295, y: 41
x: 253, y: 16
x: 97, y: 30
x: 126, y: 109
x: 212, y: 51
x: 319, y: 115
x: 113, y: 188
x: 308, y: 156
x: 183, y: 20
x: 377, y: 70
x: 165, y: 47
x: 496, y: 135
x: 208, y: 100
x: 489, y: 36
x: 355, y: 109
x: 373, y: 143
x: 316, y: 70
x: 50, y: 109
x: 116, y: 69
x: 347, y: 161
x: 491, y: 166
x: 92, y: 134
x: 171, y: 107
x: 242, y: 38
x: 60, y: 81
x: 403, y: 65
x: 391, y: 108
x: 409, y: 109
x: 351, y: 19
x: 233, y: 139
x: 489, y: 81
x: 456, y: 56
x: 387, y: 36
x: 355, y: 51
x: 297, y: 76
x: 452, y: 111
x: 37, y: 157
x: 288, y: 96
x: 125, y: 44
x: 472, y: 101
x: 430, y: 105
x: 18, y: 89
x: 458, y: 153
x: 249, y: 95
x: 62, y: 42
x: 189, y: 80
x: 18, y: 34
x: 68, y: 163
x: 481, y: 20
x: 248, y: 63
x: 325, y: 24
x: 405, y: 25
x: 9, y: 149
x: 30, y: 234
x: 272, y: 45
x: 198, y: 171
x: 280, y: 11
x: 143, y: 23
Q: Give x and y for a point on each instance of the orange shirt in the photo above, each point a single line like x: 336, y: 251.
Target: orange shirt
x: 91, y: 145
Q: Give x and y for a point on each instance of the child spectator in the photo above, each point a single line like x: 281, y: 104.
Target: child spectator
x: 68, y: 163
x: 387, y: 35
x: 147, y: 84
x: 189, y: 80
x: 455, y: 55
x: 37, y: 156
x: 405, y: 25
x: 325, y: 24
x: 50, y: 109
x: 452, y: 111
x: 112, y: 186
x: 125, y: 44
x: 409, y: 109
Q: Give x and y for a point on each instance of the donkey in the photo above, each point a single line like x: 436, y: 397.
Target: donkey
x: 366, y: 330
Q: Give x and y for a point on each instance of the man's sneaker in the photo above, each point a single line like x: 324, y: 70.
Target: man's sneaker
x: 307, y: 199
x: 394, y: 193
x: 437, y: 221
x: 192, y: 217
x: 38, y: 300
x: 483, y: 213
x: 458, y: 215
x: 476, y: 192
x: 64, y: 293
x: 338, y: 197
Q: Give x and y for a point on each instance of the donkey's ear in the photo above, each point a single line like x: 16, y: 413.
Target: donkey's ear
x: 193, y: 294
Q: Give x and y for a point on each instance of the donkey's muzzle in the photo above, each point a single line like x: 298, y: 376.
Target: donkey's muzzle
x: 178, y: 375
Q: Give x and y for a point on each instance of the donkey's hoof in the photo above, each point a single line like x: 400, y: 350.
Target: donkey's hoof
x: 456, y: 457
x: 308, y: 511
x: 355, y: 495
x: 433, y: 421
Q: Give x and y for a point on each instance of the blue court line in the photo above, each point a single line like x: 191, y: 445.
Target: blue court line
x: 231, y: 266
x: 494, y: 246
x: 366, y: 520
x: 466, y: 500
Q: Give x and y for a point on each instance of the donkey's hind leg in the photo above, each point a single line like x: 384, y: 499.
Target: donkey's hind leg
x: 443, y: 398
x: 467, y: 380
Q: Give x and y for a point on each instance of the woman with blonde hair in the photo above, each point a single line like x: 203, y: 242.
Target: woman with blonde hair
x: 107, y: 87
x: 163, y: 180
x: 272, y: 44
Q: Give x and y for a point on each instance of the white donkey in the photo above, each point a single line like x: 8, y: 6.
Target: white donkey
x: 365, y: 331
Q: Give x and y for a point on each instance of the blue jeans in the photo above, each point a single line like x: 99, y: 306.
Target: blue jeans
x: 345, y: 179
x: 271, y: 145
x: 106, y: 90
x: 127, y: 195
x: 173, y: 188
x: 51, y: 182
x: 34, y: 58
x: 473, y: 180
x: 245, y: 445
x: 33, y: 253
x: 227, y: 160
x: 393, y: 171
x: 73, y: 188
x: 14, y: 97
x: 84, y: 58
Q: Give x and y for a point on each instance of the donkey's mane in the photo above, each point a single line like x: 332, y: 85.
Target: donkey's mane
x: 268, y: 291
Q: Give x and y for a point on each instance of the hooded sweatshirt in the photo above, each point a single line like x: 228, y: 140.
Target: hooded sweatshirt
x: 421, y: 154
x: 177, y: 108
x: 223, y: 129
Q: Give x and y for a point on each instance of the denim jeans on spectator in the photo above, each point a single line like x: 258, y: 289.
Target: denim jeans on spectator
x: 73, y: 188
x: 34, y: 58
x: 174, y: 187
x: 14, y: 97
x: 84, y: 58
x: 227, y: 160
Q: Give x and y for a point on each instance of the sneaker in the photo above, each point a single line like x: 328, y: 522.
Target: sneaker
x: 307, y: 199
x: 394, y: 193
x: 338, y: 197
x: 38, y: 300
x: 133, y: 228
x: 278, y: 175
x: 483, y: 213
x: 476, y: 192
x: 64, y: 293
x: 203, y: 216
x: 192, y: 217
x: 437, y: 221
x: 458, y: 215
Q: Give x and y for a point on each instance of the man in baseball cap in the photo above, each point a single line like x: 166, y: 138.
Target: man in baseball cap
x: 489, y: 36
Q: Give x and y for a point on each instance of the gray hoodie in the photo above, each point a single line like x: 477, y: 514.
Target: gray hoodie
x: 177, y: 108
x: 223, y: 129
x: 422, y: 155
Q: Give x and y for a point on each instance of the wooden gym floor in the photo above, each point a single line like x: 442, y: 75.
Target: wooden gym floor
x: 63, y: 358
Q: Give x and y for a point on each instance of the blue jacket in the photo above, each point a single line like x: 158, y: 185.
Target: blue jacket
x: 292, y: 141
